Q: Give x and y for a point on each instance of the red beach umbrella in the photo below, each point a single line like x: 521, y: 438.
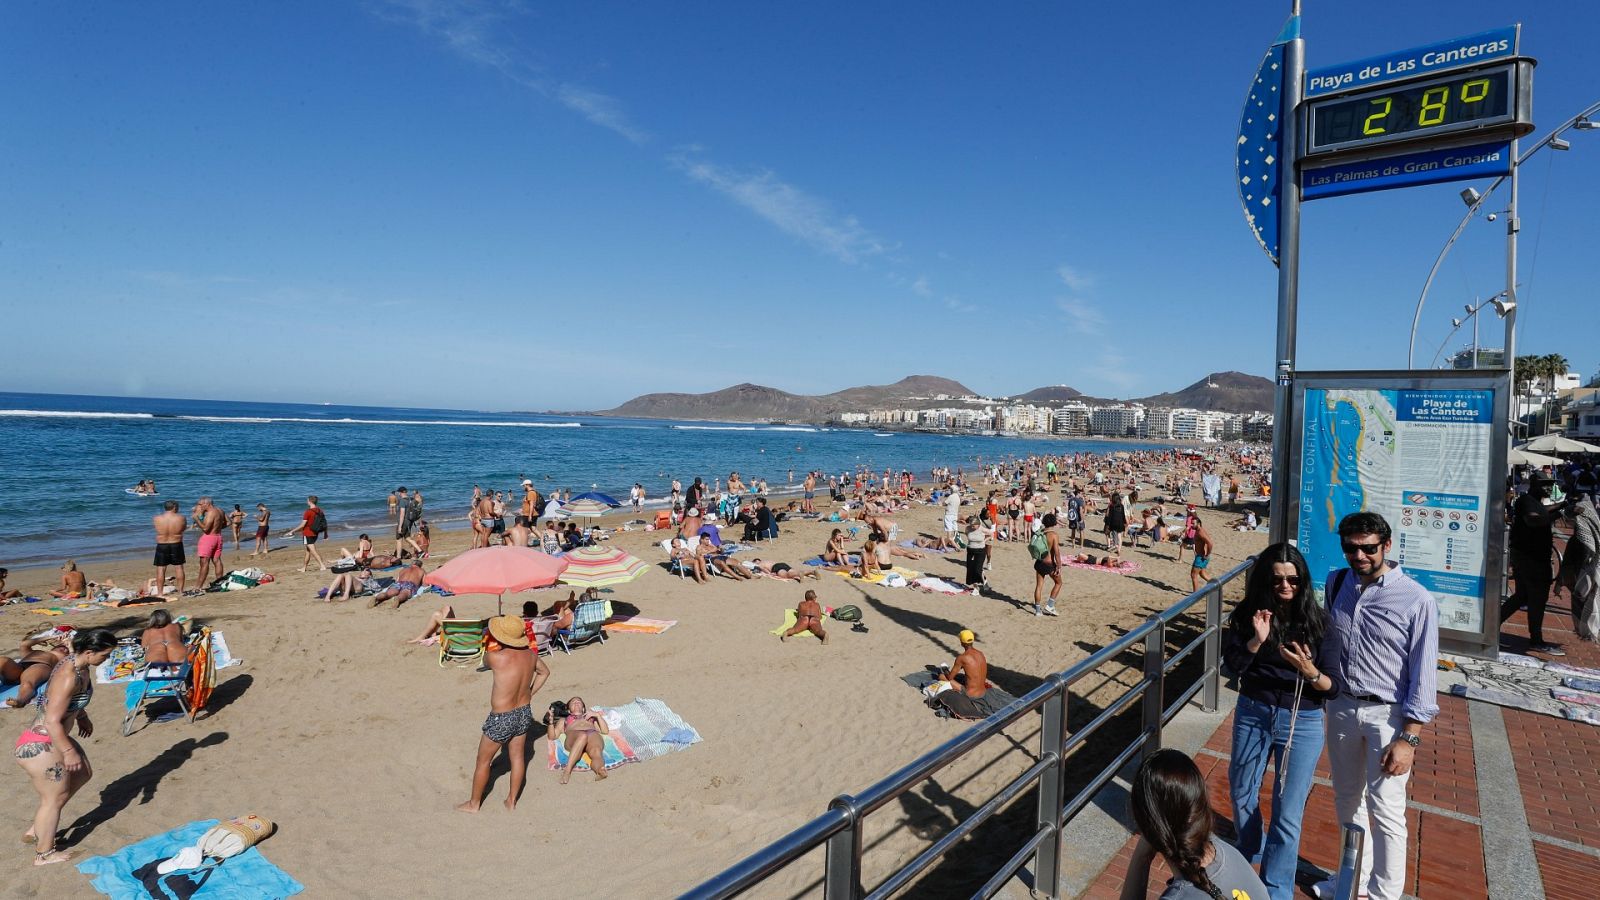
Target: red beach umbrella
x: 497, y: 570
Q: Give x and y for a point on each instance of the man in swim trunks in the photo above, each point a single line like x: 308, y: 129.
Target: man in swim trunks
x: 263, y: 528
x: 807, y: 617
x: 1202, y: 555
x: 404, y: 522
x: 210, y: 521
x: 810, y: 493
x: 169, y: 525
x: 970, y: 675
x: 405, y: 586
x: 510, y: 716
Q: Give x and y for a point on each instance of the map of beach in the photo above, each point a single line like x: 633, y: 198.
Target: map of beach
x: 1419, y: 458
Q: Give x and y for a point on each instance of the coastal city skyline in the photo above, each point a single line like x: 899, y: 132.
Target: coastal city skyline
x: 369, y: 203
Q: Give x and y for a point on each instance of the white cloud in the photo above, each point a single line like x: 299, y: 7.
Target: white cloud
x: 921, y: 288
x: 954, y: 304
x: 472, y: 30
x: 790, y: 209
x: 1084, y: 317
x: 1075, y: 280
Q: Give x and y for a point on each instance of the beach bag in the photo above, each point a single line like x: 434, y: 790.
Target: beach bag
x: 233, y: 837
x: 1038, y: 546
x: 848, y: 614
x: 239, y: 582
x: 319, y: 521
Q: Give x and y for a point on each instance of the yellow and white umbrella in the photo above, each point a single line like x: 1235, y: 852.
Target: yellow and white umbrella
x: 601, y: 566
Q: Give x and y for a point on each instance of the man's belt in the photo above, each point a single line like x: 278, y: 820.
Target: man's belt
x: 1366, y: 698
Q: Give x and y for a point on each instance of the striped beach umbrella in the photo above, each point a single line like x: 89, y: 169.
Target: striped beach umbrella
x: 600, y: 566
x: 586, y: 507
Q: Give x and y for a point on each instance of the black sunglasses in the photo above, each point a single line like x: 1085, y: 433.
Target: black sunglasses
x: 1369, y: 549
x: 1293, y: 580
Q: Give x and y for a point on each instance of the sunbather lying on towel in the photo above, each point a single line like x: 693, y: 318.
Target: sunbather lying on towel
x: 807, y: 617
x: 405, y: 586
x: 351, y: 584
x: 32, y: 670
x: 781, y: 570
x: 582, y: 731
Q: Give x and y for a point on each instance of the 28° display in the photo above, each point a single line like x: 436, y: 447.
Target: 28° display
x: 1469, y: 99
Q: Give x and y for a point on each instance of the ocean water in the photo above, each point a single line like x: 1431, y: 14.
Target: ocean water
x: 65, y: 461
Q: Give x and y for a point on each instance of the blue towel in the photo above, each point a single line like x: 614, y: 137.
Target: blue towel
x: 679, y: 736
x: 1571, y: 681
x: 130, y: 872
x: 9, y: 691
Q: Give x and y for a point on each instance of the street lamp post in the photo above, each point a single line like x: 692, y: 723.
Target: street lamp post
x: 1583, y: 121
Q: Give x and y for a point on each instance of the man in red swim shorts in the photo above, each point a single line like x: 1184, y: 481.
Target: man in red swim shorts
x: 210, y: 521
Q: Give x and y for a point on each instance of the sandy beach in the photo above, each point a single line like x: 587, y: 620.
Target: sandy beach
x: 359, y: 746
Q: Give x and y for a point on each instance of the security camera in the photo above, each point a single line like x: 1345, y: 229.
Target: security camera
x: 1493, y: 216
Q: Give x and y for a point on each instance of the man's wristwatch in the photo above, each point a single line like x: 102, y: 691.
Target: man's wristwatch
x: 1414, y: 740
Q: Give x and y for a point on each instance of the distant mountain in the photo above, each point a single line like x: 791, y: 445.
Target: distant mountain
x: 749, y: 402
x: 1056, y: 393
x: 1222, y: 391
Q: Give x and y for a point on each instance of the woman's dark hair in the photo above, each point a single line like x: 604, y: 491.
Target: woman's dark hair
x: 93, y: 640
x: 1170, y: 808
x: 1305, y: 619
x: 530, y: 609
x: 160, y: 619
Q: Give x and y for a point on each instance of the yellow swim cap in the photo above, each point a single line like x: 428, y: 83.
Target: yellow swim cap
x: 968, y: 637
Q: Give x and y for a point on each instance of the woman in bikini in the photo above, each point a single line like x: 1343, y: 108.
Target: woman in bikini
x: 39, y: 657
x: 56, y: 763
x: 163, y: 640
x: 236, y: 522
x: 834, y: 552
x: 582, y: 732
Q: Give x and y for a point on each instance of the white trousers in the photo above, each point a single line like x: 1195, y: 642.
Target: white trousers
x: 1358, y: 732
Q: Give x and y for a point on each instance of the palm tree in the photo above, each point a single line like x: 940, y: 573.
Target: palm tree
x: 1555, y: 366
x: 1529, y: 369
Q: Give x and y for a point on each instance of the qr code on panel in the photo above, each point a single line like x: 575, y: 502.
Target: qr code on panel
x: 1462, y: 616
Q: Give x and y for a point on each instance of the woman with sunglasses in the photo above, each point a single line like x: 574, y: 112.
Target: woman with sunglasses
x: 1278, y: 645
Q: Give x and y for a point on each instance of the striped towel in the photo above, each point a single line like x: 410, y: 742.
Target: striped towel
x: 646, y: 723
x: 617, y: 752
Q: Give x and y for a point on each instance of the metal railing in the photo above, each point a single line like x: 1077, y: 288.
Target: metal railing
x: 840, y: 828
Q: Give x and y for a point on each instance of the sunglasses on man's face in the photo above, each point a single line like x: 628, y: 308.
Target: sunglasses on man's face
x: 1369, y: 549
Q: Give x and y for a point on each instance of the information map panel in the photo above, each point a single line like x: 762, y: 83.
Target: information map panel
x: 1421, y: 458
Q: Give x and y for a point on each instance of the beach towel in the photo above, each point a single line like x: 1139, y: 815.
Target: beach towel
x: 818, y: 562
x: 885, y: 578
x: 646, y: 724
x: 617, y: 751
x: 911, y: 544
x: 7, y: 691
x: 637, y: 625
x: 1586, y: 714
x: 1126, y: 567
x: 993, y: 700
x: 789, y: 618
x: 1564, y: 669
x: 131, y: 871
x: 935, y: 585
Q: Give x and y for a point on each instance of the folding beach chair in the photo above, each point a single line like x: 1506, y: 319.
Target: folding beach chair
x: 674, y: 564
x: 189, y: 683
x: 588, y: 623
x: 461, y: 640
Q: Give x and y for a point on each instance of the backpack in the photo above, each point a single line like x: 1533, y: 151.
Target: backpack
x: 1038, y: 546
x: 848, y: 614
x: 319, y: 521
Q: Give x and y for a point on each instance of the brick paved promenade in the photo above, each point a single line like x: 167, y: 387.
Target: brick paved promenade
x: 1504, y: 803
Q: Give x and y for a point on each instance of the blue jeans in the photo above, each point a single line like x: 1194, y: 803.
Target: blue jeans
x: 1260, y: 733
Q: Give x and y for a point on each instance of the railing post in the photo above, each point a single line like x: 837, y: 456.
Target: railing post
x: 1347, y: 883
x: 1052, y: 790
x: 1155, y: 658
x: 1210, y: 696
x: 842, y: 880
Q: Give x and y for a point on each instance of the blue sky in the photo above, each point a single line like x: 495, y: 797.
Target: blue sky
x: 540, y: 205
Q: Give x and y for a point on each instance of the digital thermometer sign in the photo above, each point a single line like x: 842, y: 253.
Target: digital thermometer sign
x: 1495, y: 98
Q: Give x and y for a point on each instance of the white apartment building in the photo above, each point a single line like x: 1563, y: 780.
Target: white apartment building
x: 1070, y: 420
x: 1121, y: 420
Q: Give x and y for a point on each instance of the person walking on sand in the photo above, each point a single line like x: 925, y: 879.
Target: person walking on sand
x: 516, y: 680
x: 807, y: 617
x: 210, y: 521
x: 1046, y: 565
x: 313, y: 524
x: 583, y: 732
x: 1202, y: 555
x: 46, y: 751
x: 169, y: 525
x: 263, y: 528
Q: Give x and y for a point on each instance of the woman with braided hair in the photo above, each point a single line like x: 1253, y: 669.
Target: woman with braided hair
x: 1170, y: 809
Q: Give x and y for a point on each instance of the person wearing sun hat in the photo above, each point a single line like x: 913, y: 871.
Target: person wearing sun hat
x: 518, y: 675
